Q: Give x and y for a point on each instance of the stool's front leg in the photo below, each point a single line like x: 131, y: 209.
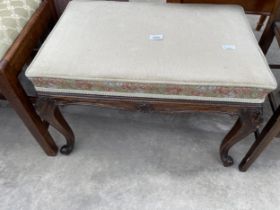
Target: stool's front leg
x: 248, y: 122
x: 50, y: 112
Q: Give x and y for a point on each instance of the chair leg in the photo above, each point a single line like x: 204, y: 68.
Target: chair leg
x: 49, y: 111
x: 270, y: 131
x: 247, y: 123
x: 266, y: 41
x: 14, y: 93
x: 268, y: 34
x: 261, y: 22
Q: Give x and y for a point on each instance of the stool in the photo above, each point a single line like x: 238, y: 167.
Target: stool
x: 155, y: 57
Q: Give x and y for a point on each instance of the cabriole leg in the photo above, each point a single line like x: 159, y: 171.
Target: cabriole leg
x: 50, y: 112
x: 247, y: 123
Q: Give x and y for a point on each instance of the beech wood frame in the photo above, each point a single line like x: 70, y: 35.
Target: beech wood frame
x: 46, y: 112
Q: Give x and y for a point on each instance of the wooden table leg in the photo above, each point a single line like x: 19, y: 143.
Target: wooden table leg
x: 247, y: 123
x: 14, y: 93
x: 270, y: 131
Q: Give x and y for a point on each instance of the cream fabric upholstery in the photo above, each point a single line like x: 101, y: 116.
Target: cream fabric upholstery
x: 208, y: 52
x: 14, y: 14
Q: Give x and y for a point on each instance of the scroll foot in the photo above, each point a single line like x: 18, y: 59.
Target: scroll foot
x: 50, y: 112
x: 66, y: 149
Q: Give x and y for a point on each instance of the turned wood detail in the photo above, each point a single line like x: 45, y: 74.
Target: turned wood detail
x: 50, y: 113
x: 247, y: 123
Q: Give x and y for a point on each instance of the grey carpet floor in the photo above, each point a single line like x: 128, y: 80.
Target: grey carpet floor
x: 125, y: 160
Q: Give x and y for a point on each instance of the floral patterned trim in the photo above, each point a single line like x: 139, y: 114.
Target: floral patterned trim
x: 151, y: 88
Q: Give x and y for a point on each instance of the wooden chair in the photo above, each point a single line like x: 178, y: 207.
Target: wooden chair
x: 11, y: 65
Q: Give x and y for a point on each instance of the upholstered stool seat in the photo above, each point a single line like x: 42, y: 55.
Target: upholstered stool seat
x: 194, y: 52
x: 14, y: 14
